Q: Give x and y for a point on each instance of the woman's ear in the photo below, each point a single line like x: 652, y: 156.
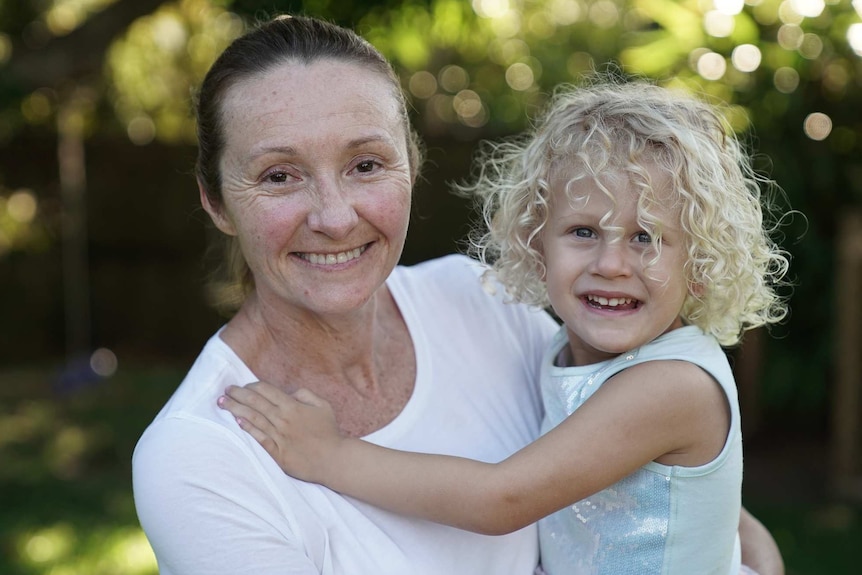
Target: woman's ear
x: 216, y: 212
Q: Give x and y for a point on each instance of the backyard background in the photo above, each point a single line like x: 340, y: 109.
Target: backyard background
x: 103, y: 245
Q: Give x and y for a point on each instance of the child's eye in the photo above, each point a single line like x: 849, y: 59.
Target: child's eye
x: 643, y: 237
x: 582, y: 232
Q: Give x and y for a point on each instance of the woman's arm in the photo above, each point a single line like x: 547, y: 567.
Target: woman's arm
x: 204, y: 507
x: 643, y: 413
x: 759, y: 550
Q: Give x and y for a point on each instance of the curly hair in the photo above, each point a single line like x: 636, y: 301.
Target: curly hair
x: 610, y: 125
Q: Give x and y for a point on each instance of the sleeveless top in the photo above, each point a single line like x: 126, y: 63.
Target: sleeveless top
x: 669, y: 520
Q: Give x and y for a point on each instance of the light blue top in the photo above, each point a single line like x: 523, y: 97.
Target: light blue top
x: 668, y: 520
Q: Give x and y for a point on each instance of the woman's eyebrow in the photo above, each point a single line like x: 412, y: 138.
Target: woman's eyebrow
x: 256, y: 152
x: 376, y: 138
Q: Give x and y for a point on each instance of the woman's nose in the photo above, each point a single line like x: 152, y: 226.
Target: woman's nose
x: 333, y: 212
x: 612, y: 259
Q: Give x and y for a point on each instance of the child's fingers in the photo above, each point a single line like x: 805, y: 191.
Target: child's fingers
x: 242, y: 411
x: 254, y: 423
x: 308, y: 397
x: 264, y: 439
x: 271, y: 392
x: 250, y: 396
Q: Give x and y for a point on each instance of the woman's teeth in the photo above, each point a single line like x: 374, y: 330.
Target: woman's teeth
x: 330, y: 259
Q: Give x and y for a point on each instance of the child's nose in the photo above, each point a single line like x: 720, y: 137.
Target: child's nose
x: 612, y: 259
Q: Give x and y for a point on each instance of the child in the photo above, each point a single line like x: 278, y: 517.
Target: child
x: 631, y: 210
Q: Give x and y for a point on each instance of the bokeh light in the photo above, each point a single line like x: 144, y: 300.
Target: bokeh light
x: 491, y: 8
x: 808, y: 8
x: 604, y: 14
x: 422, y: 84
x: 508, y: 51
x: 788, y: 14
x: 441, y: 106
x: 729, y: 7
x: 520, y: 76
x: 836, y: 76
x: 141, y: 130
x: 453, y: 79
x: 104, y: 362
x: 817, y: 126
x: 21, y: 206
x: 711, y: 66
x: 566, y: 12
x: 786, y: 80
x: 470, y: 109
x: 746, y: 57
x: 854, y: 36
x: 49, y: 544
x: 508, y: 25
x: 169, y: 33
x: 718, y: 24
x: 790, y: 36
x: 541, y: 25
x: 38, y: 106
x: 811, y: 46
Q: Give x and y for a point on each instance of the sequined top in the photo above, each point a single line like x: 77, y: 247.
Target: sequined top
x: 668, y: 520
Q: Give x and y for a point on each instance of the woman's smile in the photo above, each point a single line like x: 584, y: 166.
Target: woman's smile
x: 328, y: 259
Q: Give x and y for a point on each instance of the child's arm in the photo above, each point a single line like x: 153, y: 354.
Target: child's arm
x: 668, y: 411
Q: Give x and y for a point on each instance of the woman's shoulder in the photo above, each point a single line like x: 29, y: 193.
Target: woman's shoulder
x: 191, y: 411
x: 216, y: 367
x: 452, y: 290
x: 452, y: 267
x: 459, y: 283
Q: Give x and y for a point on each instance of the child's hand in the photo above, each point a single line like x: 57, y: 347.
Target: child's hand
x: 298, y: 430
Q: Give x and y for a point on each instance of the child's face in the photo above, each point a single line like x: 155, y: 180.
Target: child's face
x: 602, y: 282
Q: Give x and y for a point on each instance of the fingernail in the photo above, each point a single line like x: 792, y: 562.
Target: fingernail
x: 220, y: 401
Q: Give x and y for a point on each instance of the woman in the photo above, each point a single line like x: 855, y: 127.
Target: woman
x: 306, y: 162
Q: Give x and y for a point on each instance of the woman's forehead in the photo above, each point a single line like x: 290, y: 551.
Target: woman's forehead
x: 296, y: 100
x: 323, y: 86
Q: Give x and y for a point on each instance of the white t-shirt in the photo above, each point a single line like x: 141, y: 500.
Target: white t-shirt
x: 213, y: 502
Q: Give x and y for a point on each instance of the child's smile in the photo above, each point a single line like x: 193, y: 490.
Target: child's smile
x: 614, y: 303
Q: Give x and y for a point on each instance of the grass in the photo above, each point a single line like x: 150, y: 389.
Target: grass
x: 66, y: 505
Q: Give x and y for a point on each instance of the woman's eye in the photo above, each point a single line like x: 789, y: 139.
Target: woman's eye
x: 365, y: 166
x: 276, y: 177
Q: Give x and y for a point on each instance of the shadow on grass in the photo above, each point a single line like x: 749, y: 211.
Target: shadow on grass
x: 66, y: 503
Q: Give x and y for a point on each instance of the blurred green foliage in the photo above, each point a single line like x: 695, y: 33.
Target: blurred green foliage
x: 789, y: 71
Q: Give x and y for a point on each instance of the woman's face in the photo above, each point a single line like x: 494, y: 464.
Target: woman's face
x: 316, y: 183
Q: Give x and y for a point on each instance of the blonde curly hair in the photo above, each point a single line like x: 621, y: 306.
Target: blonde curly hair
x: 614, y: 126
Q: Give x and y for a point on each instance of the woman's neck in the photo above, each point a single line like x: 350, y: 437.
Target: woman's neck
x: 363, y: 363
